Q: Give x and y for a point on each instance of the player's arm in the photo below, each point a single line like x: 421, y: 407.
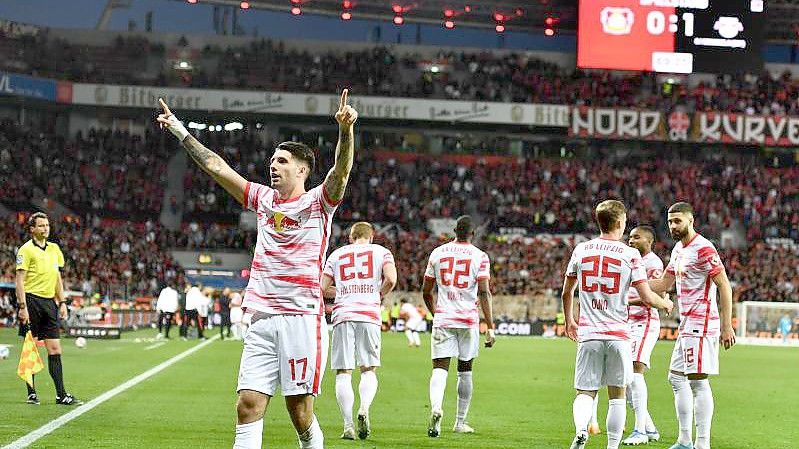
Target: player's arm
x: 389, y: 279
x: 662, y: 285
x: 567, y: 297
x: 207, y: 160
x: 337, y: 177
x: 725, y: 303
x: 651, y: 299
x: 19, y: 283
x: 60, y: 298
x: 328, y: 289
x: 427, y: 294
x: 486, y: 304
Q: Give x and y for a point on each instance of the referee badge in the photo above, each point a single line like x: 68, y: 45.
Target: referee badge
x: 19, y: 259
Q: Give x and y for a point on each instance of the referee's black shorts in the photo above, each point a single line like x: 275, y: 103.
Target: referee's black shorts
x: 43, y: 313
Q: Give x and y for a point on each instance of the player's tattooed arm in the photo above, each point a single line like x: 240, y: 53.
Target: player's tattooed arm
x: 214, y: 165
x: 337, y: 177
x: 209, y: 162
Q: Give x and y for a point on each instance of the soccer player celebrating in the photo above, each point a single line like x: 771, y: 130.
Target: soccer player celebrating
x: 358, y: 276
x: 604, y: 268
x: 286, y: 345
x: 697, y: 270
x: 645, y: 328
x: 460, y: 271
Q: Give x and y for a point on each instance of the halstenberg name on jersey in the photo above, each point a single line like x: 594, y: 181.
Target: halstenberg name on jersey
x: 357, y: 288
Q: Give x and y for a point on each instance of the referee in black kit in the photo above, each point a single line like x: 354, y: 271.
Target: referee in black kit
x: 40, y: 296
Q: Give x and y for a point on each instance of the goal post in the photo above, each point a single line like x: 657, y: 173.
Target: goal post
x: 762, y: 323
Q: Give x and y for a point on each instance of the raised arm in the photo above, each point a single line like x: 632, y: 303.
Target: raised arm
x: 725, y: 304
x: 207, y: 160
x: 337, y: 177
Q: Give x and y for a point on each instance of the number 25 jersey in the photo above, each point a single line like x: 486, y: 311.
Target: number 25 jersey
x: 605, y: 271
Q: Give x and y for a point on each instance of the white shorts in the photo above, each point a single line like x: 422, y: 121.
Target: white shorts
x: 643, y: 338
x: 695, y: 355
x: 355, y: 344
x: 286, y: 351
x: 603, y: 362
x: 414, y: 325
x: 455, y: 342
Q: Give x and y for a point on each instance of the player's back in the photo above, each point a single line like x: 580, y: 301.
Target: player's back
x: 457, y: 268
x: 605, y: 270
x: 357, y: 271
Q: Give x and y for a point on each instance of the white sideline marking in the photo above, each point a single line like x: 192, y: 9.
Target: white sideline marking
x: 32, y: 437
x: 156, y: 345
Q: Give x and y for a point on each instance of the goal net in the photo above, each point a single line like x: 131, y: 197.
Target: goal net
x: 765, y: 323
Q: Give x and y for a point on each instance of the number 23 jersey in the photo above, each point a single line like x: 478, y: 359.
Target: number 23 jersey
x: 605, y: 271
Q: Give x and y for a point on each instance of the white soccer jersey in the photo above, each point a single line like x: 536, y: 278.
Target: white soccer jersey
x: 694, y: 266
x: 642, y: 314
x: 410, y: 312
x: 605, y: 270
x: 457, y: 267
x: 357, y: 271
x: 290, y: 251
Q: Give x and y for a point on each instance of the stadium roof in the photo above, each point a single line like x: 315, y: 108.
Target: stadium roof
x: 520, y: 15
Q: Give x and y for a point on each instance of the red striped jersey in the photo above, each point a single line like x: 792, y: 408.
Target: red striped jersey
x: 457, y: 267
x: 290, y: 251
x: 357, y: 272
x: 642, y: 314
x: 605, y: 270
x: 694, y: 266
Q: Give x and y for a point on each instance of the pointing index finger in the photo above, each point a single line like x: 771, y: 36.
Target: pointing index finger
x: 343, y: 103
x: 164, y: 106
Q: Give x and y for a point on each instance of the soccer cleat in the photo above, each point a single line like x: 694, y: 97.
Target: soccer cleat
x: 434, y: 429
x: 463, y: 428
x: 579, y: 441
x: 653, y: 435
x: 68, y: 399
x: 33, y: 399
x: 635, y: 439
x: 593, y: 429
x: 364, y: 429
x: 349, y: 434
x: 682, y: 446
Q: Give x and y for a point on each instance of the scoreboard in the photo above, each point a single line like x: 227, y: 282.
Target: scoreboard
x: 672, y: 36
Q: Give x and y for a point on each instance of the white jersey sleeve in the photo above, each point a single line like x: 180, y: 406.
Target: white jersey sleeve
x: 357, y: 271
x: 642, y: 314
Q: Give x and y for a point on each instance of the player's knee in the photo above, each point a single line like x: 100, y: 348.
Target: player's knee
x: 464, y: 365
x: 616, y: 392
x: 344, y: 371
x: 441, y: 364
x: 250, y: 406
x: 368, y: 368
x: 639, y: 368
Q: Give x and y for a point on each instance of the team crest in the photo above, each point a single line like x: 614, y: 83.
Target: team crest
x: 282, y: 223
x: 617, y: 21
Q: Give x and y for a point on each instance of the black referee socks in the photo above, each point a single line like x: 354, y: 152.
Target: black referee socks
x: 54, y: 365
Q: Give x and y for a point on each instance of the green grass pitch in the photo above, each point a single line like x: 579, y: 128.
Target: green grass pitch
x: 522, y: 398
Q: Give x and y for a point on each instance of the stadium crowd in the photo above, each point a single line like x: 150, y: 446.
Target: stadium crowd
x: 481, y: 76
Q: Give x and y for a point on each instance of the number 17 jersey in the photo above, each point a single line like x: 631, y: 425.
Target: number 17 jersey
x: 457, y: 267
x: 605, y: 270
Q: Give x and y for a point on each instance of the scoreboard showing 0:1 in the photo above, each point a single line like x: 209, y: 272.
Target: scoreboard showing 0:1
x: 673, y: 36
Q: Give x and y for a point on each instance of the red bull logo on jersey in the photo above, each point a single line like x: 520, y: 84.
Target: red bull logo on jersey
x: 282, y: 223
x: 617, y: 21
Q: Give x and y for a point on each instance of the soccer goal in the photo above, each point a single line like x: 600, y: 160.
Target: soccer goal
x: 762, y: 323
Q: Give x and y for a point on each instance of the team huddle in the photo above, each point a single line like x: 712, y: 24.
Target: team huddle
x: 616, y: 324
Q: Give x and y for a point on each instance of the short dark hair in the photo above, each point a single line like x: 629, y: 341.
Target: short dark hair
x: 35, y: 216
x: 681, y: 207
x: 648, y: 229
x: 608, y: 213
x: 300, y: 151
x: 464, y: 228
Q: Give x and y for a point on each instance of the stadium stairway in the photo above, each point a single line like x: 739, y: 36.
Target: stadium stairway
x: 176, y: 170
